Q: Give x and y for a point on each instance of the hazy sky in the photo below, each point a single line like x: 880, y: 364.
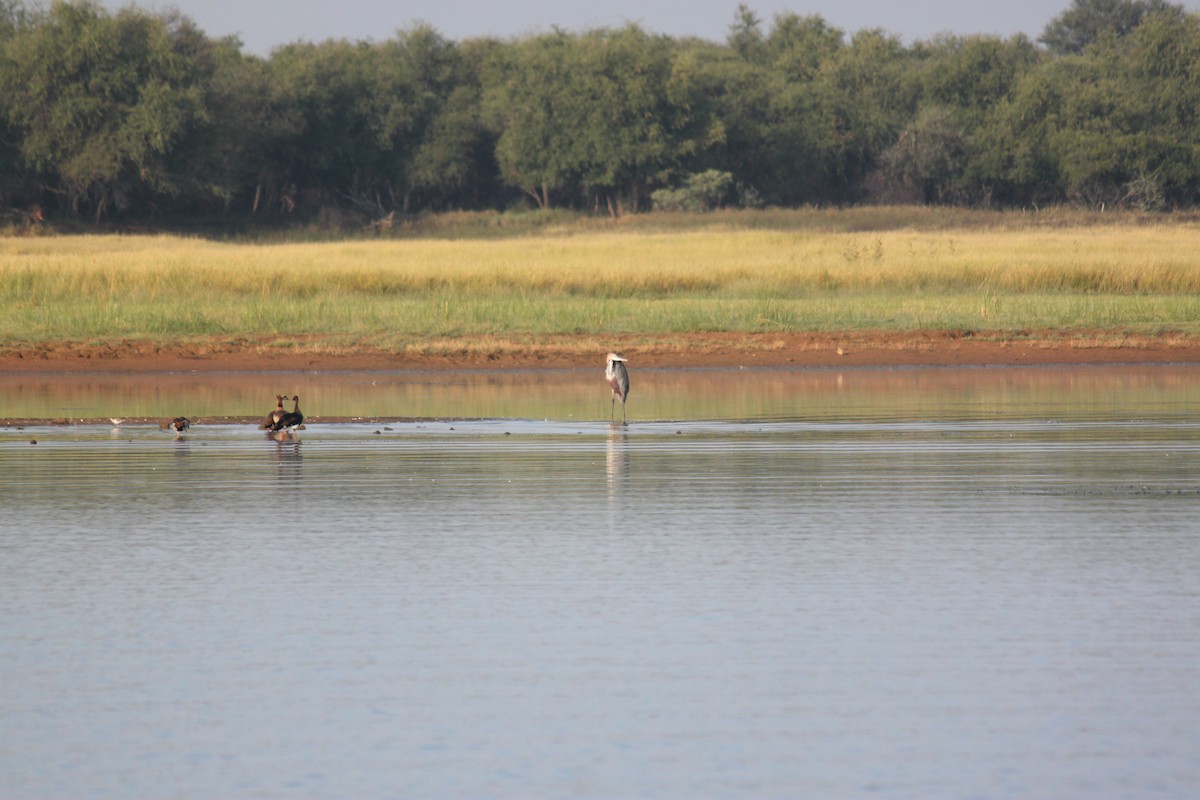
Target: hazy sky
x: 265, y: 24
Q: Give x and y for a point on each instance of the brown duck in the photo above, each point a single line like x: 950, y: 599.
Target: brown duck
x: 291, y: 419
x: 274, y: 417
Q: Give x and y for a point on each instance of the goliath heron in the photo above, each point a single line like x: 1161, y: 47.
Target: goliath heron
x: 618, y: 381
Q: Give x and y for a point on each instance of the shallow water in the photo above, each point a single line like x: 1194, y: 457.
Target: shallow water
x: 940, y: 584
x: 716, y: 394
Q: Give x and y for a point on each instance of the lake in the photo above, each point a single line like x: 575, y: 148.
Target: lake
x: 769, y: 584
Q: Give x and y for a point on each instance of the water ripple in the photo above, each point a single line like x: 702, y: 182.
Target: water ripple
x: 520, y: 607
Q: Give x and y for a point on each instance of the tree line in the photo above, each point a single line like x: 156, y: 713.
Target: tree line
x: 141, y: 117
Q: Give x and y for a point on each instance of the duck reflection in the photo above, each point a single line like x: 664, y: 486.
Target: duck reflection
x: 287, y: 458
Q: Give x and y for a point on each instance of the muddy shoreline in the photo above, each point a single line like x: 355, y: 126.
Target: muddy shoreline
x: 163, y: 424
x: 701, y: 350
x: 693, y: 351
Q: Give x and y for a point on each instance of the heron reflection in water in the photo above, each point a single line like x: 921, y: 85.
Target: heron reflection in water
x: 618, y: 381
x: 616, y: 462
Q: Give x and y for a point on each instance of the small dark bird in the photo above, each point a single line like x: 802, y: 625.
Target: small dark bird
x: 274, y: 417
x: 291, y: 419
x: 618, y: 381
x: 180, y: 424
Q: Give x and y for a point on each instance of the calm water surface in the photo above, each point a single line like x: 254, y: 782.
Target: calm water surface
x: 957, y: 583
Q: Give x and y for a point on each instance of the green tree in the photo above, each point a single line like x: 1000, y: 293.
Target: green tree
x: 13, y: 17
x: 1112, y: 126
x: 1086, y: 21
x: 1019, y: 154
x: 98, y: 102
x: 608, y: 112
x: 528, y: 107
x: 636, y: 117
x: 746, y: 36
x: 251, y: 126
x: 703, y: 191
x: 378, y: 128
x: 972, y: 73
x: 763, y: 93
x: 958, y: 81
x: 826, y: 134
x: 442, y: 145
x: 1154, y: 71
x: 735, y: 96
x: 797, y: 47
x: 338, y: 92
x: 928, y: 161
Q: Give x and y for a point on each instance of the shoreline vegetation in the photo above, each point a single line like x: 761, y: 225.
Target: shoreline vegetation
x: 867, y: 286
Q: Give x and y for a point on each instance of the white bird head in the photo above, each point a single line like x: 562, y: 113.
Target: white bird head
x: 614, y: 357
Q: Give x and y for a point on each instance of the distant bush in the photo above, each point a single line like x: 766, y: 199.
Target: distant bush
x: 703, y: 191
x: 1145, y: 193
